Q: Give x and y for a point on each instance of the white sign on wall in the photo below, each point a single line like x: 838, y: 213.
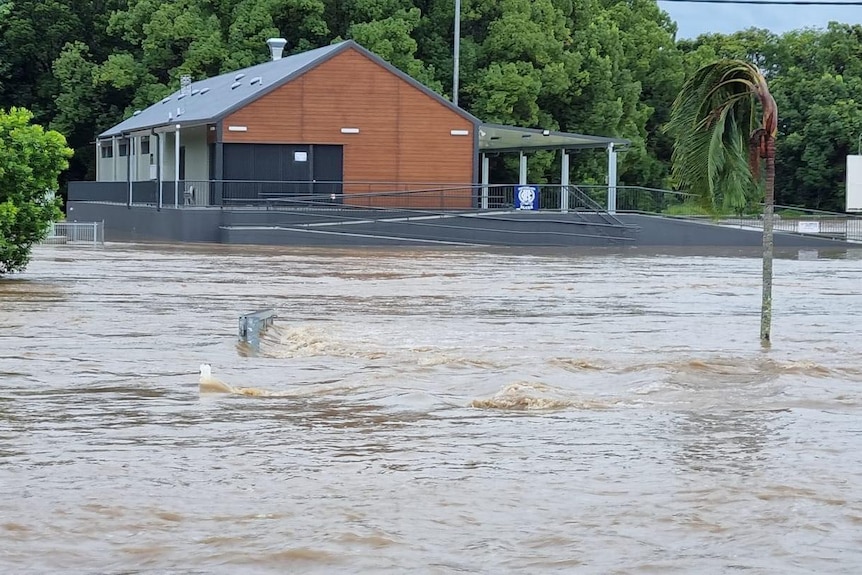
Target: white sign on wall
x: 808, y: 227
x: 853, y: 195
x: 300, y: 156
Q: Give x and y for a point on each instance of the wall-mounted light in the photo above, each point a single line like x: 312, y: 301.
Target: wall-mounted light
x: 237, y: 128
x: 349, y: 130
x: 459, y: 132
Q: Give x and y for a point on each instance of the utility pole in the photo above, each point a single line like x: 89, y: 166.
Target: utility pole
x: 457, y: 52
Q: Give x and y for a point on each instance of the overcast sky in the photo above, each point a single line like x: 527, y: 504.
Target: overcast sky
x: 693, y: 19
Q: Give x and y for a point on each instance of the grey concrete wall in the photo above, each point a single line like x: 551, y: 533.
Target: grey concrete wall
x: 147, y: 223
x: 366, y: 228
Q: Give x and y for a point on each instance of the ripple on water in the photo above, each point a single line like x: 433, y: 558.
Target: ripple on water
x: 429, y: 411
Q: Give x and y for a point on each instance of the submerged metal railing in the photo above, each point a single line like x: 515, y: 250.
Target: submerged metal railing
x: 92, y: 233
x: 806, y: 222
x: 639, y: 199
x: 253, y: 325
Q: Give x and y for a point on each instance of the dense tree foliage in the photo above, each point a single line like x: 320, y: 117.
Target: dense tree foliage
x: 604, y: 67
x: 31, y: 159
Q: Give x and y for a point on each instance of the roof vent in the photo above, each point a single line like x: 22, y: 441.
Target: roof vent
x: 239, y: 76
x: 255, y: 80
x: 136, y: 112
x: 195, y: 92
x: 204, y: 91
x: 276, y: 47
x: 235, y: 85
x: 181, y: 96
x: 166, y: 100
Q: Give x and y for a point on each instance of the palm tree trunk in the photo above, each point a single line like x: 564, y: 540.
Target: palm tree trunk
x: 768, y: 243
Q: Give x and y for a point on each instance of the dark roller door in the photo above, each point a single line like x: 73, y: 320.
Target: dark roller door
x: 239, y: 165
x: 282, y: 170
x: 328, y: 170
x: 296, y: 169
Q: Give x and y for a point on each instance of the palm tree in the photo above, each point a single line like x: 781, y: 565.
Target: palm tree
x: 719, y: 142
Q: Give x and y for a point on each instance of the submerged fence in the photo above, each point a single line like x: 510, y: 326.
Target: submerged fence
x: 810, y: 222
x: 92, y: 233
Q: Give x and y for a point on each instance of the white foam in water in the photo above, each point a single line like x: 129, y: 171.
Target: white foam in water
x: 530, y: 396
x: 208, y: 384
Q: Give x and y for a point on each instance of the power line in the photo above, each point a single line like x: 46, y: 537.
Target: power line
x: 783, y: 2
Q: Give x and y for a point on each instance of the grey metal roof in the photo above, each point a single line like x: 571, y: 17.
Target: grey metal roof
x: 498, y: 138
x: 214, y: 97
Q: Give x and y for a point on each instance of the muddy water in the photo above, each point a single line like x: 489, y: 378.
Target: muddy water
x: 429, y: 411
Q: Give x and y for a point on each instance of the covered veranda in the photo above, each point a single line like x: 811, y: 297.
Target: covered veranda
x: 499, y: 139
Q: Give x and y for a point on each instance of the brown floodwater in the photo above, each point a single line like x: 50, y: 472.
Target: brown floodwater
x: 430, y: 411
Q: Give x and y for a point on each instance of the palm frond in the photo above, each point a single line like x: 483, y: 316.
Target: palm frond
x: 712, y: 120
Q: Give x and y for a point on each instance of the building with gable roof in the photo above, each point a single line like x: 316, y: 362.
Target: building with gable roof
x: 336, y: 122
x: 336, y: 147
x: 365, y: 153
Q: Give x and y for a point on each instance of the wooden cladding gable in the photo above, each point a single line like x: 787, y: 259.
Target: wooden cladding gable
x: 404, y: 134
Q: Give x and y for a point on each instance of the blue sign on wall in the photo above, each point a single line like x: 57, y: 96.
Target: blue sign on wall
x: 526, y: 198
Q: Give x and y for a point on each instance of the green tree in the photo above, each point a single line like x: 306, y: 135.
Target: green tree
x: 719, y: 143
x: 32, y: 34
x: 31, y: 159
x: 390, y: 38
x: 653, y: 61
x: 817, y: 84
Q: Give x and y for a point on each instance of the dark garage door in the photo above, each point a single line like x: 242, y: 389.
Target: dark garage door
x: 282, y: 171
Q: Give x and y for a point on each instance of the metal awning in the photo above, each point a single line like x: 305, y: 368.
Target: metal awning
x: 498, y: 138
